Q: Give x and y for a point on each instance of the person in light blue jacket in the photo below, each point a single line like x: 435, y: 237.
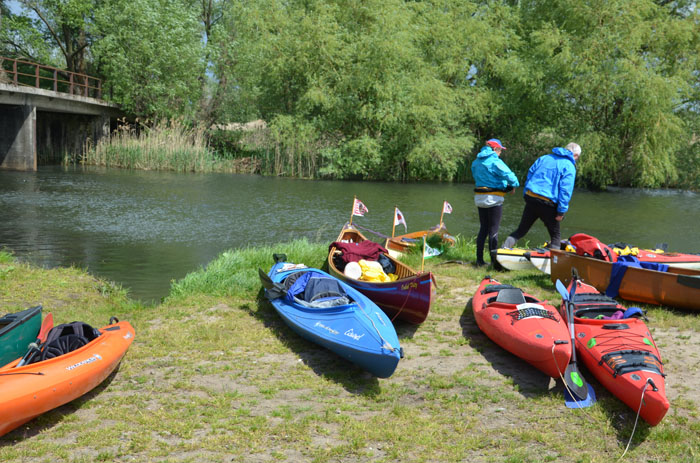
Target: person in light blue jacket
x: 548, y: 190
x: 493, y: 179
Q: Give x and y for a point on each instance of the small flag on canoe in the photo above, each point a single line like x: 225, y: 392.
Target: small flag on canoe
x: 359, y: 209
x: 430, y: 252
x: 446, y: 208
x: 399, y: 219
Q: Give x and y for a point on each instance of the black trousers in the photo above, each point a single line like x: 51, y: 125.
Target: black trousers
x: 539, y: 209
x: 489, y: 220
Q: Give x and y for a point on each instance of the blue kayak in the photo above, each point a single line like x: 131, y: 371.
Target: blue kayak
x: 324, y: 310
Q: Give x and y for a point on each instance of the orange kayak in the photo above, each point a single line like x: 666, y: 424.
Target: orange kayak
x: 30, y: 390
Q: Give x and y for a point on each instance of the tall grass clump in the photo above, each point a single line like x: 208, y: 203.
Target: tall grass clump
x: 165, y: 145
x: 234, y: 273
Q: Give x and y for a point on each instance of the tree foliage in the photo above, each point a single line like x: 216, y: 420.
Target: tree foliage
x: 402, y: 90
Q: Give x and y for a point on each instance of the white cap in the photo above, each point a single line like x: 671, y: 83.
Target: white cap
x: 574, y: 148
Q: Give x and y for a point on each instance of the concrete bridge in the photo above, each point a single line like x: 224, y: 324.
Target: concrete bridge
x: 48, y: 112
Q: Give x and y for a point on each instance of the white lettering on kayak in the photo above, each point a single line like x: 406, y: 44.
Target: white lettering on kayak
x: 327, y: 328
x: 352, y: 334
x: 94, y: 358
x: 127, y: 335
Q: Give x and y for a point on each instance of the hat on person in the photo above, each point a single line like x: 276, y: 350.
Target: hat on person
x: 495, y: 143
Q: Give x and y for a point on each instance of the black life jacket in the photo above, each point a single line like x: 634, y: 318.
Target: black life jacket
x: 65, y: 338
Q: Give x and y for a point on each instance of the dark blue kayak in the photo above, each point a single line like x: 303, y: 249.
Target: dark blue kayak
x: 324, y: 310
x: 17, y: 331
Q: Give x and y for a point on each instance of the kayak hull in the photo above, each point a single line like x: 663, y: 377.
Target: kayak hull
x: 608, y: 348
x: 17, y: 331
x: 514, y: 258
x: 537, y: 335
x: 30, y: 390
x: 359, y: 332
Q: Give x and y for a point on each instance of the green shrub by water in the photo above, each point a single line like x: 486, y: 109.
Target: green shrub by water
x: 234, y: 273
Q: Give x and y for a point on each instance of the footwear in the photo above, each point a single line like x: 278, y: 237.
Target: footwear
x: 509, y: 242
x: 480, y: 263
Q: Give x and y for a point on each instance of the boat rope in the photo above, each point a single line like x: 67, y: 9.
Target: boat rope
x: 404, y: 303
x: 371, y: 231
x: 386, y: 343
x: 639, y: 410
x: 37, y: 373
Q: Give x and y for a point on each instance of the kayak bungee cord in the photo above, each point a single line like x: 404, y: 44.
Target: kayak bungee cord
x: 634, y: 428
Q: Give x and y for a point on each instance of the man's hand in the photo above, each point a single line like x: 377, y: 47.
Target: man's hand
x: 559, y: 217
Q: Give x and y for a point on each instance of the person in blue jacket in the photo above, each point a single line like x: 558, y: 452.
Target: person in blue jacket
x: 493, y: 179
x: 548, y: 190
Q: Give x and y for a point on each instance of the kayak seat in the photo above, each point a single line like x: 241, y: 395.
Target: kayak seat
x: 596, y: 311
x: 495, y: 288
x: 511, y: 296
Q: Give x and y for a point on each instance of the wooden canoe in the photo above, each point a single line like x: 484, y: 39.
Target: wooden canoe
x: 401, y: 244
x: 408, y: 298
x: 677, y: 288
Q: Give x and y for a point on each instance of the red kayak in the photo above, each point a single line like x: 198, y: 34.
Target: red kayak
x: 618, y: 349
x: 523, y: 325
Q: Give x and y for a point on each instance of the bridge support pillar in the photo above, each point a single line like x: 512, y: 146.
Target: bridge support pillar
x: 18, y: 137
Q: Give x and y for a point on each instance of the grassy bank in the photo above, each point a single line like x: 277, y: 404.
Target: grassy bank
x: 214, y: 375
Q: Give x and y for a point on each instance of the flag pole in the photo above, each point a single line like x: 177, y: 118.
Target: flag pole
x: 443, y: 213
x: 422, y: 261
x: 354, y: 199
x: 393, y: 228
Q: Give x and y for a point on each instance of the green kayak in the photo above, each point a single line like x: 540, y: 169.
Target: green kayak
x: 17, y: 331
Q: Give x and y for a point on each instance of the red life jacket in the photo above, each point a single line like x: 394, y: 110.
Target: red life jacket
x: 589, y: 246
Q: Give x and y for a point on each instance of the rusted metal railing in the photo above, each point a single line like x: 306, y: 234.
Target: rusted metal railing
x: 35, y: 75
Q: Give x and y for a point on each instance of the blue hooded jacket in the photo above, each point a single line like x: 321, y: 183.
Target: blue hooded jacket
x: 490, y: 171
x: 553, y: 176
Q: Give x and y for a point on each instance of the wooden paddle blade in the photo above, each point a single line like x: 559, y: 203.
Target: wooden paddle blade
x: 46, y: 326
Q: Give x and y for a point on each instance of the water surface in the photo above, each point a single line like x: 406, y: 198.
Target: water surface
x: 143, y: 229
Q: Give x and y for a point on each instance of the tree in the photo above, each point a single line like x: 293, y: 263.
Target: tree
x: 151, y: 54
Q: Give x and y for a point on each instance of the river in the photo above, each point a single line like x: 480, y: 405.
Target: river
x: 143, y: 229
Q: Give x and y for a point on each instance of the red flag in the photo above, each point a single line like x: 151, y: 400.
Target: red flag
x: 359, y: 209
x: 446, y: 208
x: 399, y: 219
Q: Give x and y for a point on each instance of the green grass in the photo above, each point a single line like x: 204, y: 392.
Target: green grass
x: 215, y: 375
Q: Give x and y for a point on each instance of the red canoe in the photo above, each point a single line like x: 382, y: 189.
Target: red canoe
x: 620, y: 353
x: 408, y: 298
x: 523, y: 325
x: 30, y: 390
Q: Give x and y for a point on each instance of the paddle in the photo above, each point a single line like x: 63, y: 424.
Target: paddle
x: 274, y: 290
x: 46, y: 326
x: 580, y: 389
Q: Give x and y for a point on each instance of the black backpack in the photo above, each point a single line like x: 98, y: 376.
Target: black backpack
x: 63, y: 339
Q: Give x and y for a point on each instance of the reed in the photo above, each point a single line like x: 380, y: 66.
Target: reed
x: 164, y: 145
